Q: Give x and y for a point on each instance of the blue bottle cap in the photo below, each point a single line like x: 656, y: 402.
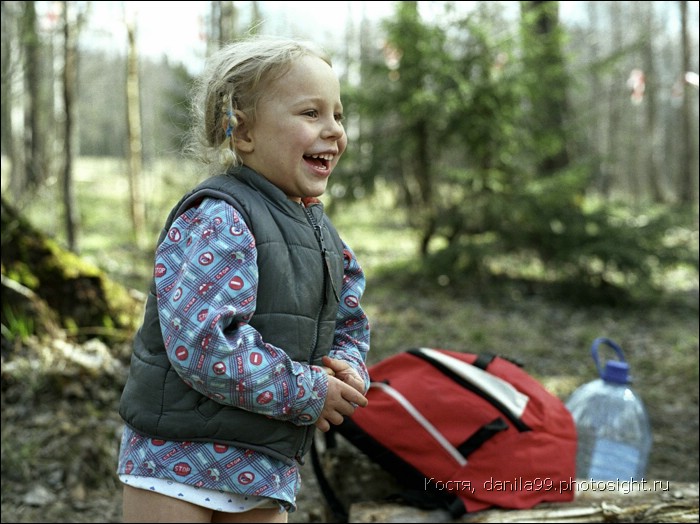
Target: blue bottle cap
x: 617, y: 372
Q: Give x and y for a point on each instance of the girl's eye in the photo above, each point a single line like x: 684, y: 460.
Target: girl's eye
x: 339, y: 117
x: 312, y: 113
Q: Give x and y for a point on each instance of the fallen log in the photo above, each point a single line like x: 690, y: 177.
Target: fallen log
x: 660, y: 501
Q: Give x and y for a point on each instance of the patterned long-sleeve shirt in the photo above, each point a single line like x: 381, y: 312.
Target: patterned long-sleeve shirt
x: 234, y: 366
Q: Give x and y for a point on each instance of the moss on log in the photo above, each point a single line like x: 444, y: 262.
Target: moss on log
x: 40, y: 276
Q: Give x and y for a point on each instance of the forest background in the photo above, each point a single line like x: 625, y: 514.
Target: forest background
x: 516, y: 182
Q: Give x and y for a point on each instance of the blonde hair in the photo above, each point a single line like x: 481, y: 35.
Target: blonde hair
x: 234, y: 79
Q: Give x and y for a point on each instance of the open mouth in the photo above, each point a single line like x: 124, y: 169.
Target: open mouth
x: 319, y: 161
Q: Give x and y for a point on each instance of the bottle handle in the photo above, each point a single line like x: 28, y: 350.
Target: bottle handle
x: 594, y: 351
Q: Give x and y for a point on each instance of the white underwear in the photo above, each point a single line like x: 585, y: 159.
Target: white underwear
x: 209, y: 498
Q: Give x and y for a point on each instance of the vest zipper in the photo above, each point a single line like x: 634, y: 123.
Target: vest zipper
x: 327, y: 277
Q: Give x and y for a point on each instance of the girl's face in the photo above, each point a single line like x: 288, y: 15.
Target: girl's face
x: 297, y: 137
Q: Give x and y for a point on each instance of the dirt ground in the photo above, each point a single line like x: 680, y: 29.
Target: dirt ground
x: 59, y: 451
x: 60, y: 426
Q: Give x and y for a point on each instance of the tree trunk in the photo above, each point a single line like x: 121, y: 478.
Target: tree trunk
x: 650, y: 90
x: 70, y: 80
x: 223, y: 23
x: 12, y: 130
x: 686, y: 191
x: 32, y: 80
x: 257, y: 18
x: 612, y: 153
x: 548, y: 83
x: 596, y: 126
x: 133, y: 129
x: 227, y: 23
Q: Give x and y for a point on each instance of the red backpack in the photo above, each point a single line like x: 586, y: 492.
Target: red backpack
x: 463, y: 432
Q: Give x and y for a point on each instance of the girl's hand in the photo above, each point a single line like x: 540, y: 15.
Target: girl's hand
x: 344, y: 372
x: 341, y: 401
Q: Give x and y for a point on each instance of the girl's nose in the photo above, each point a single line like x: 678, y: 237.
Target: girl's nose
x: 334, y: 128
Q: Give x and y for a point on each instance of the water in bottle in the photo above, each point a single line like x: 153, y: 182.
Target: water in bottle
x: 614, y: 435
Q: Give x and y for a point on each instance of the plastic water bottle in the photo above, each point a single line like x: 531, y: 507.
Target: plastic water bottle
x: 614, y: 435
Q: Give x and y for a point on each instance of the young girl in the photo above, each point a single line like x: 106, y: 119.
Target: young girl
x: 253, y: 334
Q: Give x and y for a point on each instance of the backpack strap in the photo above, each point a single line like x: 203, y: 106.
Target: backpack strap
x: 428, y: 502
x: 427, y: 499
x: 419, y: 499
x: 483, y: 360
x: 340, y: 514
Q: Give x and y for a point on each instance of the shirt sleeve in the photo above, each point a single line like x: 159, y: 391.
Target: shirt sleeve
x: 352, y: 330
x: 206, y: 282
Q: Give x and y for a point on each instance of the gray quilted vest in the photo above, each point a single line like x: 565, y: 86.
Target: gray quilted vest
x: 300, y: 264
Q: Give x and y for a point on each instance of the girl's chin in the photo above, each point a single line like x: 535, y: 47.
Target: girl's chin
x: 317, y: 189
x: 309, y: 196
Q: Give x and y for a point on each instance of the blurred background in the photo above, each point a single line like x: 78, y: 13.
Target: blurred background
x: 505, y: 134
x: 521, y: 178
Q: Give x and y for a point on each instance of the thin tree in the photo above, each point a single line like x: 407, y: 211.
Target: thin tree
x: 547, y: 83
x: 409, y: 60
x: 596, y: 135
x: 687, y: 194
x: 227, y: 22
x: 133, y: 130
x: 650, y: 91
x: 70, y: 81
x: 31, y: 48
x: 256, y: 17
x: 12, y: 129
x: 222, y: 24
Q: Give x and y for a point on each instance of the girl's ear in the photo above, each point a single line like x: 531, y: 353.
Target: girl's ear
x: 242, y: 138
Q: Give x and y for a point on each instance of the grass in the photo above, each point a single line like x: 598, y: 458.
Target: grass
x: 551, y: 337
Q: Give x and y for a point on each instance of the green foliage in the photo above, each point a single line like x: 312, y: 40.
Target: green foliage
x: 16, y: 328
x: 466, y: 121
x: 22, y: 273
x: 547, y: 232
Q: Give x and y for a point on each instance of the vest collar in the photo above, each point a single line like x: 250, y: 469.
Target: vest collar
x: 274, y: 194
